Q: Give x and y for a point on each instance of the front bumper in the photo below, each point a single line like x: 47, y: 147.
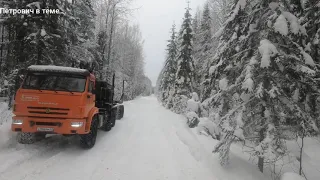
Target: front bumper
x: 49, y: 126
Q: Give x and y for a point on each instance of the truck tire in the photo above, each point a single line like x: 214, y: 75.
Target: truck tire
x: 118, y: 117
x: 113, y: 116
x: 120, y: 112
x: 26, y: 138
x: 87, y: 141
x: 107, y: 126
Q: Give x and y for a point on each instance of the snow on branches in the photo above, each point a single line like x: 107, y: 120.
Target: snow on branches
x: 256, y: 70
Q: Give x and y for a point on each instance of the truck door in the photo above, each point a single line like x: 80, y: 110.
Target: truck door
x: 91, y: 95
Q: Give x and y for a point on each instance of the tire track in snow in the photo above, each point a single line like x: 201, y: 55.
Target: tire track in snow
x: 143, y: 145
x: 31, y: 156
x: 68, y: 157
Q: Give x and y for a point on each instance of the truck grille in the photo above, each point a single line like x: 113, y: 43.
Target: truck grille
x: 48, y: 110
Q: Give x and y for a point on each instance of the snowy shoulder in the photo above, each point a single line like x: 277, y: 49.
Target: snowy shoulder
x: 291, y: 176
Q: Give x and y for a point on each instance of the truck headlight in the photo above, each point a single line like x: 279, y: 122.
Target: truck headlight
x: 17, y: 121
x: 76, y: 124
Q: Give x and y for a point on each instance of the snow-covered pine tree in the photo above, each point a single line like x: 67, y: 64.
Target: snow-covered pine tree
x: 168, y: 76
x: 262, y: 68
x: 184, y: 80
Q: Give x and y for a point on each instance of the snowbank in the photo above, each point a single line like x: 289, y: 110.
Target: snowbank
x: 206, y: 126
x: 200, y: 147
x: 310, y: 157
x: 5, y: 124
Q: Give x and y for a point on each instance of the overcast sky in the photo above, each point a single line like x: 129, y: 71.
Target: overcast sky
x: 156, y: 18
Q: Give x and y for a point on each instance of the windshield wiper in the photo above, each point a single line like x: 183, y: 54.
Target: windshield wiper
x: 65, y: 89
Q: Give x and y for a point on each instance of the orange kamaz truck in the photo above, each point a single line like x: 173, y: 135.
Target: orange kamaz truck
x: 66, y: 101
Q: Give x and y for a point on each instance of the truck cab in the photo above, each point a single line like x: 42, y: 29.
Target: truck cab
x: 61, y: 100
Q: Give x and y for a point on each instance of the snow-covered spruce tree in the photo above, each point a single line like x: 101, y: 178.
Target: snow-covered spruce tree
x: 80, y: 32
x: 312, y: 24
x: 196, y: 40
x: 196, y: 24
x: 32, y: 38
x: 167, y: 81
x: 207, y: 48
x: 311, y: 20
x: 158, y: 91
x: 262, y: 66
x: 228, y: 46
x: 184, y: 79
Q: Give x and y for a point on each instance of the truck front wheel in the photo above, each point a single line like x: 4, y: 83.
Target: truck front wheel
x: 107, y: 126
x: 88, y: 140
x: 28, y: 138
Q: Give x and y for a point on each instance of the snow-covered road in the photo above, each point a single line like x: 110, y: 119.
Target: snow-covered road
x: 145, y: 144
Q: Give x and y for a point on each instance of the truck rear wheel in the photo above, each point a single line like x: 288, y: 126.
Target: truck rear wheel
x: 88, y: 140
x: 113, y: 116
x: 120, y: 112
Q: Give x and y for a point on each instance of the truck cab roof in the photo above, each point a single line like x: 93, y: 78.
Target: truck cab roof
x: 58, y: 69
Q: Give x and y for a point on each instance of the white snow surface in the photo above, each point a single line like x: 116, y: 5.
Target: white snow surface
x: 206, y: 124
x: 242, y: 3
x: 43, y: 32
x: 308, y: 59
x: 5, y: 124
x: 193, y: 105
x: 143, y: 145
x: 273, y: 5
x: 291, y: 176
x: 267, y: 50
x: 56, y: 68
x: 281, y: 25
x: 190, y: 115
x: 150, y: 142
x: 212, y: 69
x: 295, y: 26
x: 248, y: 84
x: 223, y: 84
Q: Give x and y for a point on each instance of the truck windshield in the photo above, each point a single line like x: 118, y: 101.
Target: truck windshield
x: 42, y: 81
